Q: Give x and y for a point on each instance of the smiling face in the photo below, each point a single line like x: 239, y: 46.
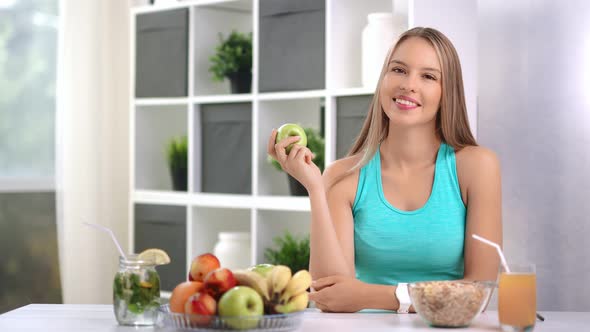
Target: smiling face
x: 411, y: 89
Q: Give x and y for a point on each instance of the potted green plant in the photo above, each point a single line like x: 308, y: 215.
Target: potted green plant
x: 316, y: 143
x: 233, y: 59
x: 289, y: 250
x: 177, y: 151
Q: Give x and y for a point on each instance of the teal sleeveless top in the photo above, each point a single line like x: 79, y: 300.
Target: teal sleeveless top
x: 392, y: 245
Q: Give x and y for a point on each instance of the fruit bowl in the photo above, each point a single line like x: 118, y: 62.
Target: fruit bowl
x: 450, y: 303
x: 194, y: 322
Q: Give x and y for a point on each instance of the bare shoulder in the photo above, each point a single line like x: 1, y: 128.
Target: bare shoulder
x: 476, y: 162
x: 476, y: 156
x: 338, y: 178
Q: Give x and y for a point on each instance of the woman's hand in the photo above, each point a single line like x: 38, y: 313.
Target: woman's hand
x: 348, y: 294
x: 338, y: 294
x: 298, y: 163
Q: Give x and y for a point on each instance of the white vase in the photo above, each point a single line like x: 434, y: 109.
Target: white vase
x: 233, y: 250
x: 377, y: 37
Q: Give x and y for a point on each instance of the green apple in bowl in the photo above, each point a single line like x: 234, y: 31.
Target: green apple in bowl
x: 241, y: 307
x: 291, y: 129
x: 262, y: 269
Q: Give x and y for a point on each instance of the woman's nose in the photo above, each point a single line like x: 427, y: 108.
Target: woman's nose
x: 408, y: 84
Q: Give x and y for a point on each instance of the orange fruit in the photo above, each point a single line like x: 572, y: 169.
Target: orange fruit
x: 181, y: 293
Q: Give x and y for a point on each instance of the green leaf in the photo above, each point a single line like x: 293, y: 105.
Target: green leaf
x: 138, y: 298
x: 232, y: 55
x: 177, y: 153
x: 290, y: 251
x: 135, y: 308
x: 117, y: 286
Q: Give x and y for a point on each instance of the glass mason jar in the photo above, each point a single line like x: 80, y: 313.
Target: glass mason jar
x: 136, y: 292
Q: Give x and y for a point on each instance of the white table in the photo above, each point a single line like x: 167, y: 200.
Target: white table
x: 80, y: 318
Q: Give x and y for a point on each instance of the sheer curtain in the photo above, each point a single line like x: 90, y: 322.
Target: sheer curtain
x: 92, y: 144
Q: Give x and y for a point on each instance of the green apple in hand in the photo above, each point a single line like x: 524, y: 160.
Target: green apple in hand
x: 291, y: 129
x: 244, y: 302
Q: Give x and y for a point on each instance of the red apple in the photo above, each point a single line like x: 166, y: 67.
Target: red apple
x: 201, y: 306
x: 218, y: 282
x: 201, y: 266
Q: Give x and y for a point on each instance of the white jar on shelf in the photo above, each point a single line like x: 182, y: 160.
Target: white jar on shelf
x: 233, y: 249
x: 378, y: 35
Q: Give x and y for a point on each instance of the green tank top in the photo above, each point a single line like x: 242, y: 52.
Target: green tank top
x: 391, y: 245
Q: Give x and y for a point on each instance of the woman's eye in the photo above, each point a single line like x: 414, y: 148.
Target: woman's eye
x: 430, y: 77
x: 398, y: 70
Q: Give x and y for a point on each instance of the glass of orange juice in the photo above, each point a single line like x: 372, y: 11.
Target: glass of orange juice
x: 517, y: 297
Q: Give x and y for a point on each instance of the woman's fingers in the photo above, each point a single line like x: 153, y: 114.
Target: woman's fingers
x: 278, y: 151
x: 317, y: 297
x: 288, y: 141
x: 280, y: 147
x: 300, y: 154
x: 314, y: 296
x: 295, y: 152
x: 322, y: 307
x: 306, y: 156
x: 324, y: 282
x: 270, y: 148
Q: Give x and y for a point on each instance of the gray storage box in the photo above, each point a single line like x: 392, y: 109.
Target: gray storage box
x: 226, y: 148
x: 163, y: 227
x: 350, y: 115
x: 292, y: 45
x: 161, y: 53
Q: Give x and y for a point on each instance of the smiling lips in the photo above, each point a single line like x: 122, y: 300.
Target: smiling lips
x: 405, y: 103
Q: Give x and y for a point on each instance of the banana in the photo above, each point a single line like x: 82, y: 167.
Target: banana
x: 299, y: 283
x: 297, y: 303
x: 278, y: 278
x: 254, y: 280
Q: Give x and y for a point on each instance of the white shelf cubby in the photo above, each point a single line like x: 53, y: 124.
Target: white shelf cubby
x: 205, y: 223
x: 273, y: 223
x: 155, y: 126
x: 209, y: 21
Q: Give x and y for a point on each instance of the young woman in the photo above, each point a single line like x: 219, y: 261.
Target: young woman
x: 402, y: 206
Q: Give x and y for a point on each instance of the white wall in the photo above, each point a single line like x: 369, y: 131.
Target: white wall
x: 534, y: 62
x: 457, y: 19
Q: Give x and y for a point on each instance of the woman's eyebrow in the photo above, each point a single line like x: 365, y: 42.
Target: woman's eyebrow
x: 423, y: 68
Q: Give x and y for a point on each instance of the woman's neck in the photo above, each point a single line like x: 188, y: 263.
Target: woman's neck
x: 409, y: 148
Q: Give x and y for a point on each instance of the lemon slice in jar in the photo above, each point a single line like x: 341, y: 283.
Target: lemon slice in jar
x: 158, y: 256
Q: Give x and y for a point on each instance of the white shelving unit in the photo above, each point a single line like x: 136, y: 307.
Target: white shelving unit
x: 268, y: 211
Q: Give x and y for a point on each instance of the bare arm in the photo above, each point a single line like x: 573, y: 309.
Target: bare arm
x: 479, y: 172
x: 331, y: 238
x: 332, y: 231
x: 347, y: 294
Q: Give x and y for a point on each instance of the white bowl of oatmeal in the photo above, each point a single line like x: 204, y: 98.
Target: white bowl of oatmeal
x: 450, y: 303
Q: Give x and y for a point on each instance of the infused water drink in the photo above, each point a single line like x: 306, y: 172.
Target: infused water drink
x: 136, y: 292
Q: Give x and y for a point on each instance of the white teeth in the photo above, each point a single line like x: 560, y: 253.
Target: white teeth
x: 404, y: 102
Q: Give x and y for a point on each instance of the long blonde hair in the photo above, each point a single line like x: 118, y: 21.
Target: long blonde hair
x: 451, y: 120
